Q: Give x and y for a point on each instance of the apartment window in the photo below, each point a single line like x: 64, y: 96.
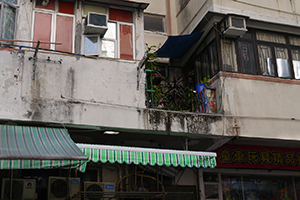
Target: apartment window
x: 8, y: 19
x: 246, y: 55
x: 229, y: 55
x: 264, y: 53
x: 296, y: 62
x: 118, y: 41
x: 106, y: 46
x: 54, y: 22
x: 14, y: 2
x: 154, y: 23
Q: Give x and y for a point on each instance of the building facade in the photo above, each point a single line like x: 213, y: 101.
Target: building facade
x: 249, y: 53
x: 72, y: 75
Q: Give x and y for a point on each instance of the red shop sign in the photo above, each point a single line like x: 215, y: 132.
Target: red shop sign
x: 236, y: 156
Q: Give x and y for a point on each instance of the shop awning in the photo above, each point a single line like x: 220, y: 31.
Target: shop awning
x: 177, y: 46
x: 145, y: 156
x: 27, y: 147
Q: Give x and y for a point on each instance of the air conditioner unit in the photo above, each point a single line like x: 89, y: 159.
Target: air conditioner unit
x: 99, y: 187
x: 22, y: 189
x: 95, y: 23
x: 234, y: 26
x: 57, y: 188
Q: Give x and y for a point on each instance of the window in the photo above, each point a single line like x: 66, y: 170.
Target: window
x: 8, y: 20
x: 264, y: 53
x: 54, y: 22
x: 154, y: 23
x: 106, y: 46
x: 296, y: 62
x: 247, y: 60
x: 229, y: 55
x: 118, y: 41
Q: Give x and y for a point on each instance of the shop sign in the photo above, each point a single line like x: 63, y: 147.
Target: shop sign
x: 236, y: 156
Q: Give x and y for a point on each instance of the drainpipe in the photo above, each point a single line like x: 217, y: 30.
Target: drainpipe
x: 127, y: 179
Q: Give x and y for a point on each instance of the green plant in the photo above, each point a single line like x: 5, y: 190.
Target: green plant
x: 171, y: 95
x: 205, y: 81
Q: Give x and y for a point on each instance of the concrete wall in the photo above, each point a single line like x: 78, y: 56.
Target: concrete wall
x: 259, y: 107
x: 158, y: 8
x: 273, y: 11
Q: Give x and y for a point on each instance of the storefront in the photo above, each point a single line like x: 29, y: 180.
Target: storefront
x: 253, y: 173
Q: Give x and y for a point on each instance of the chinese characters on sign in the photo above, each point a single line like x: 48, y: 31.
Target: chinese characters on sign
x: 258, y: 157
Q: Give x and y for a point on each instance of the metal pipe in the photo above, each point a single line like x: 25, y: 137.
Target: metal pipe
x: 11, y: 183
x: 20, y: 48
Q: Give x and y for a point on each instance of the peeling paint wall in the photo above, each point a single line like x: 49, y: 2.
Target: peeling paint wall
x: 272, y: 11
x: 251, y: 110
x: 83, y: 91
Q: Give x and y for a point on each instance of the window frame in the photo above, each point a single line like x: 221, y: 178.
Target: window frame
x: 163, y: 19
x: 117, y: 40
x: 272, y: 45
x: 54, y: 13
x: 15, y: 6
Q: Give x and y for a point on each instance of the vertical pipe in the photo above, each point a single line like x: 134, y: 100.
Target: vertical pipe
x: 127, y: 179
x: 135, y: 177
x: 197, y: 185
x: 169, y: 18
x: 11, y: 183
x: 157, y: 179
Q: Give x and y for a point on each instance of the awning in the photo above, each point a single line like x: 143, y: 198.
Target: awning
x: 145, y: 156
x: 177, y: 46
x: 27, y: 147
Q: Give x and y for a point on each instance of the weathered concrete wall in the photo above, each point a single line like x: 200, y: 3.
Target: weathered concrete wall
x: 273, y: 11
x: 259, y: 108
x: 84, y: 91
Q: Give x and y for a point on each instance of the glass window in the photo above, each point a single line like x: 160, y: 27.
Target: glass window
x: 210, y: 177
x: 247, y: 58
x: 111, y: 32
x: 296, y: 62
x: 266, y: 62
x: 91, y: 45
x: 108, y: 48
x: 126, y: 39
x: 120, y: 15
x: 213, y: 54
x: 53, y: 26
x: 232, y: 187
x: 64, y: 33
x: 283, y: 67
x: 154, y: 23
x: 229, y: 56
x: 42, y: 28
x: 41, y: 4
x: 211, y: 191
x: 297, y: 187
x: 66, y: 7
x: 8, y: 21
x: 270, y: 37
x: 11, y: 1
x: 260, y: 187
x: 294, y: 40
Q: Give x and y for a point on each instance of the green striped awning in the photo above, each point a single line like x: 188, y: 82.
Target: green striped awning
x: 145, y: 156
x: 27, y: 147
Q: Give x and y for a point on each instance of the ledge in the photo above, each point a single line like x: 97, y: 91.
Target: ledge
x: 254, y: 77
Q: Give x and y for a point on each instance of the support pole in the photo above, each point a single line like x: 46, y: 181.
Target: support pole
x: 34, y: 60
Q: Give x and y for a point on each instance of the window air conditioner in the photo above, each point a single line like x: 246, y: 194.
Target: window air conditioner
x: 22, y: 189
x: 57, y: 188
x: 99, y: 187
x: 234, y: 26
x: 95, y: 23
